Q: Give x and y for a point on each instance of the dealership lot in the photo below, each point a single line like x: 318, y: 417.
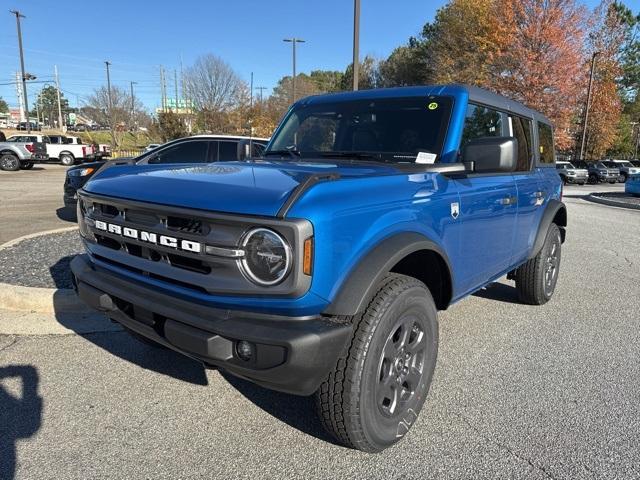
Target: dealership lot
x: 519, y: 391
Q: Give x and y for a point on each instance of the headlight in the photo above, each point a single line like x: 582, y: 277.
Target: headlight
x: 82, y: 208
x: 81, y: 172
x: 267, y: 258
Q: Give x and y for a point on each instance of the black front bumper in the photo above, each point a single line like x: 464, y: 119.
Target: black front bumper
x: 292, y: 354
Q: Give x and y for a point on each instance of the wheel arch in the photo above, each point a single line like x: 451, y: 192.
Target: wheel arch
x: 407, y: 253
x: 556, y: 212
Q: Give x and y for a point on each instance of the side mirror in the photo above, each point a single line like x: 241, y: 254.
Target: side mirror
x: 243, y: 149
x: 491, y: 154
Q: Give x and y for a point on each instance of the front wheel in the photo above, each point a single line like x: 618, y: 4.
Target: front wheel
x: 536, y: 279
x: 9, y: 162
x: 373, y: 396
x: 67, y: 159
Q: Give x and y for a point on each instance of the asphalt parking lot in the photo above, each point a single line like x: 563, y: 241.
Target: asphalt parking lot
x: 519, y: 391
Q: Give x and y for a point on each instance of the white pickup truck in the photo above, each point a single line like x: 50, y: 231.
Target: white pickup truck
x: 60, y: 147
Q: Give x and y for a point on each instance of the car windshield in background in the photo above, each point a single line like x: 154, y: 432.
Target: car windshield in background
x: 393, y: 130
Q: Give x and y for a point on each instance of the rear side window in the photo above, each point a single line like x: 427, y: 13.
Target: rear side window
x: 187, y: 152
x: 521, y: 130
x: 480, y: 122
x: 547, y: 153
x: 228, y: 151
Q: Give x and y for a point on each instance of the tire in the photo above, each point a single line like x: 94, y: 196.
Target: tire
x: 373, y: 396
x: 537, y: 278
x: 26, y: 165
x: 9, y: 162
x: 623, y: 178
x: 593, y: 179
x: 565, y: 181
x: 612, y: 182
x: 67, y: 159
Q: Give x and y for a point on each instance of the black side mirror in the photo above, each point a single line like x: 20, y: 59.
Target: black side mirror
x: 491, y: 154
x: 244, y: 151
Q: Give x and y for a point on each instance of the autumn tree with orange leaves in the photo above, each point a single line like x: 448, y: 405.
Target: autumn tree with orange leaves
x: 539, y: 58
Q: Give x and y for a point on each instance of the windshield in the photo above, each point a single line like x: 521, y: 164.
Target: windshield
x: 394, y: 129
x: 623, y: 164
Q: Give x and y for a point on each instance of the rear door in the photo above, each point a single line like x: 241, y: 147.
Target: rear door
x: 529, y: 186
x: 487, y: 210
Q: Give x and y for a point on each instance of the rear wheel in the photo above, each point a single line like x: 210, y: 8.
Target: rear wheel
x: 536, y: 279
x: 67, y: 159
x: 9, y: 162
x: 26, y: 165
x: 374, y: 394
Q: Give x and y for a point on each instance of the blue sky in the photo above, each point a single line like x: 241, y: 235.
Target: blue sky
x: 138, y: 36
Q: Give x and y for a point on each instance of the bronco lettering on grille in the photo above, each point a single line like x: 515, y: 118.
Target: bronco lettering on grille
x: 149, y: 237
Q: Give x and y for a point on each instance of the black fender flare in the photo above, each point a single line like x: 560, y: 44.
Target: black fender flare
x: 363, y: 279
x: 67, y: 152
x: 555, y: 209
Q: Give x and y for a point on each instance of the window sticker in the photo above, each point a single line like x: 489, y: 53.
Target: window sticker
x: 425, y: 157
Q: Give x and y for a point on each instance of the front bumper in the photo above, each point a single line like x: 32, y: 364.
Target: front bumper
x: 577, y: 179
x: 292, y: 354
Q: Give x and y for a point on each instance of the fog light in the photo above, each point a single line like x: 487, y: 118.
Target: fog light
x: 244, y: 350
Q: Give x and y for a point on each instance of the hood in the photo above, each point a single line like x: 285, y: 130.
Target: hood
x: 258, y: 188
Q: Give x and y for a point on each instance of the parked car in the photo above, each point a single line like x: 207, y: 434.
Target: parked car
x: 626, y: 168
x: 151, y: 146
x: 635, y: 163
x: 600, y: 172
x: 196, y: 149
x: 59, y: 148
x: 570, y: 174
x: 632, y: 185
x: 25, y: 126
x: 320, y: 268
x: 21, y: 155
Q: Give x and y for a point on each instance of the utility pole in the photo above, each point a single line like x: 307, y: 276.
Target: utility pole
x: 586, y: 111
x: 60, y: 125
x: 261, y: 89
x: 162, y: 90
x: 110, y: 102
x: 251, y: 94
x: 293, y: 41
x: 24, y: 75
x: 133, y: 107
x: 175, y: 84
x: 356, y: 43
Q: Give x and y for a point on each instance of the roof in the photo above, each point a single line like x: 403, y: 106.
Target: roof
x: 228, y: 137
x: 475, y: 94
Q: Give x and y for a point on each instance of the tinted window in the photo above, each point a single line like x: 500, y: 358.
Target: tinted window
x: 228, y: 151
x: 545, y: 133
x: 481, y: 122
x: 257, y: 149
x: 391, y: 129
x: 521, y: 130
x: 187, y: 152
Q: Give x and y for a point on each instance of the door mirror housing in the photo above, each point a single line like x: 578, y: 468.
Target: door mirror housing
x: 491, y: 154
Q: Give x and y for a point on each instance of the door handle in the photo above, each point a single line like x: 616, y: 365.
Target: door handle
x: 508, y: 201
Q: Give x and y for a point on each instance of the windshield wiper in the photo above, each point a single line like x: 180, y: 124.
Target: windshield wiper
x: 354, y: 155
x: 291, y: 150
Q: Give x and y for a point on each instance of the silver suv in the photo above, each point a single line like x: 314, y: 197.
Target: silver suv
x: 626, y: 168
x: 570, y: 174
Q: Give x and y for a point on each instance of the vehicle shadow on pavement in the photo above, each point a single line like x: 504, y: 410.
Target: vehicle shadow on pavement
x: 20, y: 415
x: 295, y: 411
x: 68, y: 214
x: 120, y: 343
x: 500, y: 292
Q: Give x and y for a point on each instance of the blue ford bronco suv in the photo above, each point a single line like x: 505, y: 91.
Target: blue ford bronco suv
x: 320, y: 267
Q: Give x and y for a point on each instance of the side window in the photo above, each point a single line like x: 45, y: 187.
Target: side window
x: 481, y: 122
x: 228, y: 151
x: 258, y: 149
x: 187, y: 152
x: 521, y: 130
x: 545, y: 134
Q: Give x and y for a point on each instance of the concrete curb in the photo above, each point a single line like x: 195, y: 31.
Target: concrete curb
x: 39, y: 300
x: 593, y: 197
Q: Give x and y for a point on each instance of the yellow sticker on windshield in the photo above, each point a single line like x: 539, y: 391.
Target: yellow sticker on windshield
x: 433, y: 106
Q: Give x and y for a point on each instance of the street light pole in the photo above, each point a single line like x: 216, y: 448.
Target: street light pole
x: 24, y: 76
x: 356, y: 43
x: 293, y: 41
x: 63, y: 128
x: 110, y: 104
x: 586, y: 111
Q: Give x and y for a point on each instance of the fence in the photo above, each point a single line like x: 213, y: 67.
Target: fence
x: 126, y: 153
